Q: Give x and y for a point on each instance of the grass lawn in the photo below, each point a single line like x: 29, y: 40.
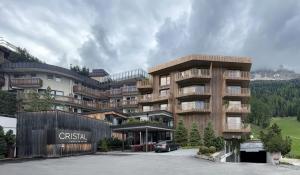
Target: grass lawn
x: 290, y: 127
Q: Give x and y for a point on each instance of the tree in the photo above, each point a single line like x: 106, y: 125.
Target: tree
x: 181, y: 134
x: 273, y: 141
x: 260, y: 113
x: 82, y: 71
x: 10, y: 139
x: 3, y: 145
x: 8, y: 103
x: 40, y: 102
x: 209, y: 135
x: 298, y: 115
x: 22, y: 55
x: 194, y: 137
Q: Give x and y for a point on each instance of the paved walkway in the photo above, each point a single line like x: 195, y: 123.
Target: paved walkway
x: 144, y: 164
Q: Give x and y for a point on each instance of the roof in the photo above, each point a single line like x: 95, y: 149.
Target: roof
x: 204, y: 58
x: 47, y: 68
x: 141, y: 127
x: 98, y: 73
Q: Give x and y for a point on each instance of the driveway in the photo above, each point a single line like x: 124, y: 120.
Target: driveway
x: 144, y: 164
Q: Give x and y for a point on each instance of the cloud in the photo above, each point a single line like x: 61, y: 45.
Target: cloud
x: 118, y: 35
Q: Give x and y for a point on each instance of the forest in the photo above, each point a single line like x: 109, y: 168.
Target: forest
x: 274, y: 99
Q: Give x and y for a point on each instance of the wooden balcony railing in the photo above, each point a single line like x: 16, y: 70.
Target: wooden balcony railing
x: 77, y: 102
x: 145, y: 84
x: 129, y: 90
x: 90, y: 92
x: 237, y: 92
x: 168, y: 108
x: 194, y: 109
x: 153, y: 98
x: 2, y: 80
x: 194, y: 92
x: 130, y: 103
x: 193, y: 73
x: 243, y: 108
x: 237, y: 75
x: 26, y: 82
x: 237, y: 127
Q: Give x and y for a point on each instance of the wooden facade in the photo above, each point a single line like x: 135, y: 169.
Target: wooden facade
x: 37, y: 134
x: 223, y: 79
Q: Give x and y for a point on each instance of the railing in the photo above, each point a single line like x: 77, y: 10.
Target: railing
x: 129, y: 90
x: 115, y: 92
x: 195, y: 91
x: 168, y: 108
x: 129, y: 103
x: 152, y: 98
x: 193, y: 73
x: 192, y: 108
x: 26, y: 82
x: 145, y: 84
x: 243, y: 108
x: 237, y: 75
x: 2, y: 80
x: 237, y: 127
x: 76, y: 102
x: 90, y: 92
x: 237, y: 92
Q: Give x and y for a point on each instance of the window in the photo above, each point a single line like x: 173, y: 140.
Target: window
x: 59, y: 93
x: 33, y: 75
x: 234, y: 73
x: 57, y: 78
x: 164, y: 107
x: 165, y: 80
x: 234, y: 122
x: 147, y: 108
x: 234, y: 89
x: 192, y: 105
x: 164, y: 93
x: 50, y: 77
x: 234, y: 104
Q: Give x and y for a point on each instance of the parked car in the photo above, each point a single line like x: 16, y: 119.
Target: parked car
x: 165, y: 146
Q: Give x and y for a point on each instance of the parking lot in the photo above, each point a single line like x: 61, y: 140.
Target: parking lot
x: 173, y: 163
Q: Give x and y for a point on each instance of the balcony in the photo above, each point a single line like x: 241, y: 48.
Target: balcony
x: 237, y: 75
x: 2, y: 80
x: 79, y: 89
x: 156, y: 108
x: 130, y: 103
x: 130, y: 91
x: 237, y: 128
x: 115, y: 92
x: 193, y: 75
x: 204, y: 92
x: 193, y: 109
x: 150, y: 98
x: 76, y: 102
x: 26, y: 82
x: 145, y: 85
x: 239, y: 92
x: 237, y: 109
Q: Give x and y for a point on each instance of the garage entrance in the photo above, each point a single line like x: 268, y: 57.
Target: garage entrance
x: 253, y: 151
x: 253, y: 157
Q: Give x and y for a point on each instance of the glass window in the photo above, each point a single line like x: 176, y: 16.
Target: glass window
x: 147, y: 108
x: 164, y: 92
x: 234, y: 73
x: 33, y: 75
x: 164, y: 107
x: 234, y: 89
x: 57, y: 78
x: 165, y: 80
x: 50, y: 77
x: 59, y: 93
x: 234, y: 122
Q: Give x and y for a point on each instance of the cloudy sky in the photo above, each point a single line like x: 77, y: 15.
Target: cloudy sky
x: 120, y: 35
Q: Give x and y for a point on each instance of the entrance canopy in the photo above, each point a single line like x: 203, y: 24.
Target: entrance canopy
x: 140, y: 127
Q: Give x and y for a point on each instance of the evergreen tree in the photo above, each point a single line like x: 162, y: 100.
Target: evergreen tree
x: 194, y: 137
x: 3, y: 145
x: 40, y: 102
x: 209, y: 136
x: 181, y: 134
x: 273, y: 141
x: 8, y: 103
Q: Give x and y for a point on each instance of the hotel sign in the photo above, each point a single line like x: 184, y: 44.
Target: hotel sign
x: 71, y: 136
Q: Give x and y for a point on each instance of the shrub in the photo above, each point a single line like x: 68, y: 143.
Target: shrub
x: 203, y: 150
x: 212, y: 149
x: 181, y: 134
x: 194, y: 137
x: 3, y: 145
x: 103, y: 145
